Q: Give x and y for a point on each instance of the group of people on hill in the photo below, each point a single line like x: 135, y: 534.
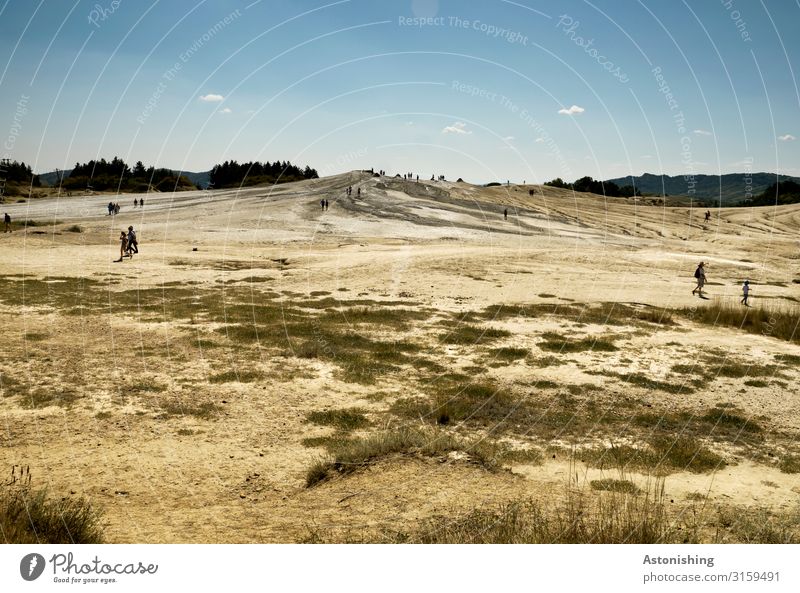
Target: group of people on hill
x: 700, y: 277
x: 138, y: 202
x: 128, y: 244
x: 323, y: 204
x: 113, y: 208
x: 409, y: 177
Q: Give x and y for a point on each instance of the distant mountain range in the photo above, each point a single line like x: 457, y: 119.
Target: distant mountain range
x: 200, y: 179
x: 713, y: 189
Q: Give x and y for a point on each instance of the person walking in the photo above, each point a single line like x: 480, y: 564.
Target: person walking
x: 7, y: 221
x: 135, y: 202
x: 505, y: 214
x: 123, y: 245
x: 700, y: 276
x: 322, y: 204
x: 141, y: 203
x: 133, y: 244
x: 745, y: 293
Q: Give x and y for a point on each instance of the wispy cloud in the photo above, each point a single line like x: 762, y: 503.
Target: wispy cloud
x: 508, y: 139
x: 572, y: 110
x: 786, y: 138
x: 225, y: 110
x: 540, y: 140
x: 646, y: 156
x: 211, y: 98
x: 702, y: 132
x: 457, y: 128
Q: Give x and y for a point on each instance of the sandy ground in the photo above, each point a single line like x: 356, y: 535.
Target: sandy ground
x: 445, y: 246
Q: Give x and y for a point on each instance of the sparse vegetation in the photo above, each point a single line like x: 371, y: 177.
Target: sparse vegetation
x: 359, y: 453
x: 30, y: 516
x: 554, y: 342
x: 611, y: 517
x: 343, y: 420
x: 663, y: 455
x: 236, y: 376
x: 613, y: 485
x: 200, y: 410
x: 777, y: 322
x: 790, y: 464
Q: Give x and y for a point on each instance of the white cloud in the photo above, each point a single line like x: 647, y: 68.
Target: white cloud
x: 702, y: 132
x: 409, y: 123
x: 211, y: 98
x: 457, y: 128
x: 540, y: 140
x: 225, y: 110
x: 646, y: 156
x: 508, y: 139
x: 572, y: 110
x: 786, y: 138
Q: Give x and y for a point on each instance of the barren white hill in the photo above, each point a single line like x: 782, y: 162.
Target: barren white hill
x: 267, y: 370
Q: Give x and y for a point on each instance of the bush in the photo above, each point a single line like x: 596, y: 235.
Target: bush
x: 29, y: 516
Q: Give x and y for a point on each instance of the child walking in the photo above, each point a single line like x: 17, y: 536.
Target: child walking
x: 745, y: 293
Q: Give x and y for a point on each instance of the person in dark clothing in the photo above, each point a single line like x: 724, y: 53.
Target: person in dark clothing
x: 7, y: 221
x: 133, y: 244
x: 505, y: 214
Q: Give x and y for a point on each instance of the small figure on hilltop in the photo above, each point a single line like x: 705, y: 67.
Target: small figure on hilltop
x: 326, y: 204
x: 322, y: 204
x: 358, y: 193
x: 745, y: 293
x: 141, y: 203
x: 7, y: 221
x: 135, y: 202
x: 505, y: 213
x: 700, y: 276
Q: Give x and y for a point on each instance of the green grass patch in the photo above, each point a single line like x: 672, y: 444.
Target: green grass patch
x: 200, y: 410
x: 790, y: 464
x: 612, y: 485
x: 30, y: 516
x: 46, y: 397
x: 360, y: 453
x: 467, y: 334
x: 554, y: 342
x: 663, y: 455
x: 788, y: 358
x: 236, y: 376
x: 509, y: 354
x: 777, y: 322
x: 343, y: 420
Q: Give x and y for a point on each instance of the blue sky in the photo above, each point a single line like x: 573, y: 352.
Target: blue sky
x: 473, y: 90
